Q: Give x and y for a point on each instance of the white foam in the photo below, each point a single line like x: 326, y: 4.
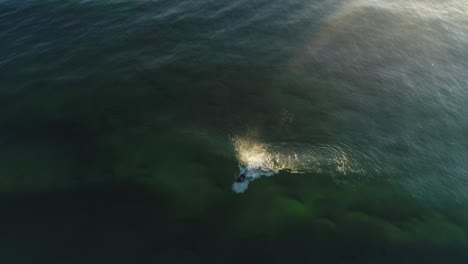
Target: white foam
x: 240, y: 187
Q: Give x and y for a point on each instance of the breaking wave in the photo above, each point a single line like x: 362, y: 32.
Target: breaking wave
x: 257, y: 159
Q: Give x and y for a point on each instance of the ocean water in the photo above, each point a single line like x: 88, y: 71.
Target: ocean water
x: 124, y: 124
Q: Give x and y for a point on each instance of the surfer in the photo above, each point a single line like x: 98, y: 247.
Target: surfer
x: 241, y: 178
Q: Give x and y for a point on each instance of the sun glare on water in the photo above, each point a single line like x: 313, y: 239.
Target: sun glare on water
x: 257, y: 159
x: 256, y: 155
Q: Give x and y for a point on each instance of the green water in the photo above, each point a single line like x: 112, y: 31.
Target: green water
x: 118, y: 121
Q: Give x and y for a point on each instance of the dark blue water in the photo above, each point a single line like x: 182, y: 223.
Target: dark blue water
x: 123, y: 124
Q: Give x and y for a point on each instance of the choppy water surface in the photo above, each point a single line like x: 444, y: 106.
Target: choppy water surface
x: 124, y: 122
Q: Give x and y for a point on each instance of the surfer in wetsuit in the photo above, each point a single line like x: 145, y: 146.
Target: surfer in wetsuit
x: 241, y: 178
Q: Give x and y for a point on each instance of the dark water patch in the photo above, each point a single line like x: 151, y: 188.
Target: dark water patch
x: 120, y: 222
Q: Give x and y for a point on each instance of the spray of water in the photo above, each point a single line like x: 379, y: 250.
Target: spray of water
x: 257, y: 159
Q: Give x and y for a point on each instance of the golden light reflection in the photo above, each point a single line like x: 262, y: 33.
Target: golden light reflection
x: 409, y: 18
x: 294, y: 157
x: 253, y: 154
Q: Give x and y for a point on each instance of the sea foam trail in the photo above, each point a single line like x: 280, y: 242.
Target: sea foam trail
x: 257, y: 159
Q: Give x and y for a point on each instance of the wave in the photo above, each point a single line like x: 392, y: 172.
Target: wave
x: 257, y: 159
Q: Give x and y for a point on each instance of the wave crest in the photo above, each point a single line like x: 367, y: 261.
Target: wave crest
x: 257, y: 159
